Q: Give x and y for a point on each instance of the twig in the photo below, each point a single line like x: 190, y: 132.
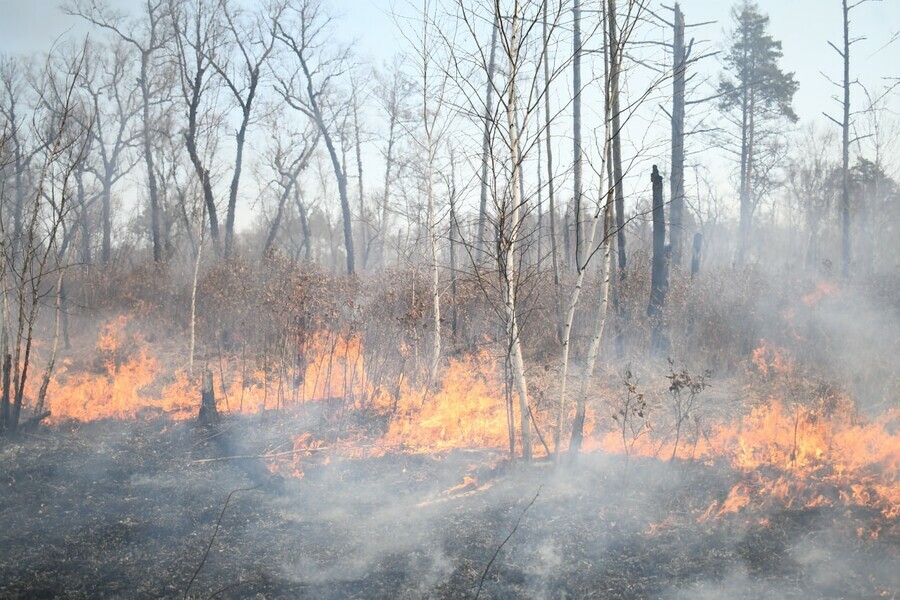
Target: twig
x: 232, y: 586
x: 500, y: 547
x: 213, y: 538
x: 538, y: 430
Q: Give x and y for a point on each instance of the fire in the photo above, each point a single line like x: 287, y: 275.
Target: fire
x: 813, y: 456
x: 465, y: 412
x: 126, y: 379
x: 792, y: 454
x: 771, y: 360
x: 823, y: 290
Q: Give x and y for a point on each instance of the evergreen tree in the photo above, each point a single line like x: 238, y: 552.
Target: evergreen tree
x: 755, y: 97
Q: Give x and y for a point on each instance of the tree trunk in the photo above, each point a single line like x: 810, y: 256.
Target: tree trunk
x: 695, y: 254
x: 551, y: 181
x: 276, y: 222
x: 106, y: 199
x: 845, y: 152
x: 148, y: 159
x: 385, y: 205
x: 433, y: 243
x: 517, y: 362
x: 84, y: 221
x: 209, y: 414
x: 5, y: 391
x: 577, y: 162
x: 676, y: 194
x: 599, y: 326
x: 454, y: 241
x: 659, y: 280
x: 486, y: 139
x: 363, y: 223
x: 304, y: 223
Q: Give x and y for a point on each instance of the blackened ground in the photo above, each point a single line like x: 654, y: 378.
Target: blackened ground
x: 125, y: 510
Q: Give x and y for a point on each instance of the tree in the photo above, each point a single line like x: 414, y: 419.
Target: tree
x: 288, y: 158
x: 41, y: 250
x: 486, y: 138
x: 148, y: 35
x: 755, y: 97
x: 845, y: 124
x: 253, y: 38
x: 310, y: 89
x: 392, y: 92
x: 198, y: 35
x: 115, y: 105
x: 13, y: 88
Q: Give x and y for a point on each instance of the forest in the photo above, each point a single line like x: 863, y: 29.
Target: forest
x: 503, y: 299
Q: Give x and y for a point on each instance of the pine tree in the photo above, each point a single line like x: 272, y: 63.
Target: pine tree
x: 755, y: 97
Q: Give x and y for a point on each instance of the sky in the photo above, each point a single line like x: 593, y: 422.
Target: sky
x: 803, y: 26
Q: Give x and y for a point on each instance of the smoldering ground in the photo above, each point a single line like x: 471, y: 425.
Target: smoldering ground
x: 124, y: 509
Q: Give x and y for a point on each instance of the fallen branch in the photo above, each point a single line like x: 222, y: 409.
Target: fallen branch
x: 213, y: 538
x: 500, y: 547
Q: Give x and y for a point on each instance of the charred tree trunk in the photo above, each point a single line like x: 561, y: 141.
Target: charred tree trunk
x: 209, y: 414
x: 4, y: 400
x: 695, y: 254
x: 676, y: 208
x: 659, y: 281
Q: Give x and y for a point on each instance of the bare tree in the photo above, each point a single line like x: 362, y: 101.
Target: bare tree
x: 61, y: 142
x: 253, y: 38
x: 288, y: 159
x: 393, y: 93
x: 115, y: 105
x: 148, y: 35
x: 310, y: 89
x: 198, y: 35
x: 845, y: 124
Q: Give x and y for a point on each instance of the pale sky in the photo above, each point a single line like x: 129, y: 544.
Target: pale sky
x: 803, y: 26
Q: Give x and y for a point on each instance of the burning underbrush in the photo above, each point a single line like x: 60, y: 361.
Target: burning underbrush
x: 340, y: 468
x: 789, y: 452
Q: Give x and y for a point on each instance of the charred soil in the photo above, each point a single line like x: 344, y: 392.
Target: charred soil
x: 129, y: 509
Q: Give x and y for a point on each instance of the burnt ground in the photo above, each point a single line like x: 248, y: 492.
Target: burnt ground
x: 124, y: 510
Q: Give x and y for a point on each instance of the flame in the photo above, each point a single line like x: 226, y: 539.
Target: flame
x: 127, y: 380
x: 771, y: 360
x: 823, y: 290
x: 823, y: 453
x: 465, y: 412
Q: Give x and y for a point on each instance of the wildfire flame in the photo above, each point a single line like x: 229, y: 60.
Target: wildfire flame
x: 819, y: 454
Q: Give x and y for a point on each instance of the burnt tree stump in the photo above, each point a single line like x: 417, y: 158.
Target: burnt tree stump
x: 209, y: 414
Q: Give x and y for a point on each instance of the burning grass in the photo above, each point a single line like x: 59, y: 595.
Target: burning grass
x: 791, y: 454
x: 375, y: 482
